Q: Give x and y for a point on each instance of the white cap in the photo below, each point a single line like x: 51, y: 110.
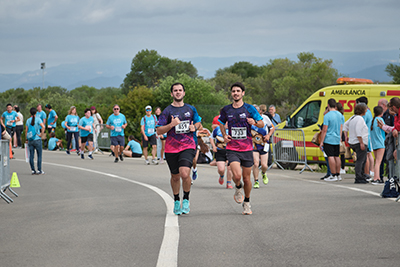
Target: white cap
x: 148, y: 107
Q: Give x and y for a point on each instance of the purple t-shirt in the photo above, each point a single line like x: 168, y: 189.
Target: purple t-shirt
x: 239, y: 129
x: 179, y: 138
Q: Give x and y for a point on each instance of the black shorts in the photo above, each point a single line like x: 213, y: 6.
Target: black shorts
x: 51, y: 130
x: 10, y: 131
x: 220, y: 155
x: 332, y: 150
x: 245, y: 158
x: 118, y: 140
x: 180, y: 159
x: 88, y: 138
x: 151, y: 139
x: 261, y: 151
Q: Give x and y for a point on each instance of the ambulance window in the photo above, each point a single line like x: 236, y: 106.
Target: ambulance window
x: 308, y: 115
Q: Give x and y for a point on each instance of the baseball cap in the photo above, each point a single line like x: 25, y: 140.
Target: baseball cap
x: 148, y: 107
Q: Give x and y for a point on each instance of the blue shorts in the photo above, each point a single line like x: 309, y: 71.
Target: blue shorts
x: 118, y: 140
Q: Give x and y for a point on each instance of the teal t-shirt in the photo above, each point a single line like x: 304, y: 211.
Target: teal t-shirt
x: 149, y: 125
x: 33, y: 131
x: 333, y: 119
x: 52, y: 117
x: 135, y: 147
x: 8, y: 117
x: 53, y: 143
x: 86, y: 122
x: 72, y: 122
x: 117, y: 122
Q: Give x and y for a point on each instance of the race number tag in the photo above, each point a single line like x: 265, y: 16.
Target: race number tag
x: 72, y: 129
x: 239, y: 132
x: 182, y: 127
x: 150, y: 130
x: 9, y: 123
x: 118, y: 129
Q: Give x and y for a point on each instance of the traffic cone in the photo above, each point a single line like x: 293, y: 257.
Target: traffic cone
x: 14, y: 180
x: 11, y: 153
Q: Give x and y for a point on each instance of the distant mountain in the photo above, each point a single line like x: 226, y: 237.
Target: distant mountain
x: 111, y: 73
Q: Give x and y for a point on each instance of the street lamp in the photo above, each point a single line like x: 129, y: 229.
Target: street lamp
x: 43, y: 66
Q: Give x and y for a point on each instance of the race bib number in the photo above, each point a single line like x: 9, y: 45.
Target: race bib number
x: 150, y: 130
x: 118, y: 129
x: 9, y: 123
x: 182, y: 127
x: 239, y: 133
x: 29, y: 135
x: 72, y: 129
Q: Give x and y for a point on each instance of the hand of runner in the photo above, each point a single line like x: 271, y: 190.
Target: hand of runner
x: 251, y: 121
x: 227, y: 138
x: 191, y: 127
x: 175, y: 121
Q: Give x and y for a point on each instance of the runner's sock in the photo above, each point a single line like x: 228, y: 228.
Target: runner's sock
x: 186, y: 195
x: 176, y: 197
x: 239, y: 186
x: 246, y: 199
x: 90, y: 152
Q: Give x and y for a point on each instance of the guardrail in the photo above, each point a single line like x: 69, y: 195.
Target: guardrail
x: 104, y: 137
x: 5, y: 173
x: 289, y: 147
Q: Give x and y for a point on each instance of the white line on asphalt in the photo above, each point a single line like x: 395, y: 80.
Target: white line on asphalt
x: 341, y: 186
x: 168, y: 255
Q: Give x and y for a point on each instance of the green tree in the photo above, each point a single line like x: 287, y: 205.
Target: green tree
x: 393, y: 71
x: 243, y: 69
x: 148, y: 68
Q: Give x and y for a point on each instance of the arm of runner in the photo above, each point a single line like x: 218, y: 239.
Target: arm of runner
x: 227, y: 137
x: 323, y: 133
x: 164, y: 129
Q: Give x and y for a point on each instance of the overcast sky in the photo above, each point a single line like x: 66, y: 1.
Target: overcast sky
x: 69, y: 31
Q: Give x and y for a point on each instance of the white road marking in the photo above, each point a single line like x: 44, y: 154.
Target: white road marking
x: 168, y: 255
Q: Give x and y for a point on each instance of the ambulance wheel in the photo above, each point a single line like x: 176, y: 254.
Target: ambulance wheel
x: 286, y: 154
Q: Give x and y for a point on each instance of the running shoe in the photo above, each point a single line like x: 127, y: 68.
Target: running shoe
x: 342, y: 171
x: 155, y: 162
x: 67, y: 152
x: 331, y: 179
x: 256, y: 185
x: 162, y: 161
x: 40, y: 172
x: 121, y: 158
x: 90, y: 157
x: 116, y: 160
x: 229, y: 186
x: 238, y: 196
x: 177, y: 207
x: 78, y: 152
x: 221, y: 180
x: 377, y: 182
x: 194, y: 175
x: 265, y: 178
x: 146, y: 162
x: 33, y: 172
x: 326, y: 176
x: 339, y: 178
x: 185, y: 206
x: 82, y: 156
x: 246, y: 208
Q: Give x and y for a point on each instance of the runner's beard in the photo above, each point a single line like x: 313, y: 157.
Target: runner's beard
x: 178, y: 100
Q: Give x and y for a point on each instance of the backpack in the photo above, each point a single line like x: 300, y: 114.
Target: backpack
x: 31, y: 134
x: 391, y: 188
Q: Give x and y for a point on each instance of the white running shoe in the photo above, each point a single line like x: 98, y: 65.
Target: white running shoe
x: 155, y: 162
x: 339, y: 178
x: 331, y: 179
x: 146, y: 161
x: 246, y: 208
x: 238, y: 196
x: 342, y: 171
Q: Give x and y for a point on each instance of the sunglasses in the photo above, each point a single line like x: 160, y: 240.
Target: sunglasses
x: 148, y: 109
x: 116, y: 108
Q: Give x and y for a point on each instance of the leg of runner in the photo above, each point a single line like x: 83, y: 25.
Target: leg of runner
x: 221, y: 171
x: 186, y: 185
x: 228, y: 177
x: 247, y: 189
x: 154, y: 154
x: 116, y: 153
x: 237, y: 180
x: 91, y: 148
x: 256, y: 157
x: 264, y: 167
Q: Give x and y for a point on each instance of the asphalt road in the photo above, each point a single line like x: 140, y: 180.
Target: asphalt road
x: 101, y: 213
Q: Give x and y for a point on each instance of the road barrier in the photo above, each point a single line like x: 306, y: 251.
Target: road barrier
x: 5, y: 178
x: 104, y: 137
x: 289, y: 149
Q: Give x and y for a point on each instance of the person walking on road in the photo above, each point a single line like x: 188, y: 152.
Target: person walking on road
x: 9, y: 119
x: 34, y: 129
x: 117, y: 123
x: 52, y: 119
x: 19, y: 128
x: 86, y: 126
x: 97, y: 126
x: 179, y: 120
x: 42, y: 115
x: 239, y: 149
x: 148, y: 130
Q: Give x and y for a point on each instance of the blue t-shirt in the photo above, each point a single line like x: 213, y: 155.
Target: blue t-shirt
x: 42, y: 115
x: 368, y: 121
x: 276, y: 118
x: 8, y: 117
x: 135, y: 147
x: 218, y: 137
x: 333, y: 119
x: 86, y: 122
x: 149, y: 125
x: 180, y: 137
x: 72, y: 122
x: 52, y: 143
x: 63, y: 125
x: 239, y: 128
x: 33, y: 131
x: 377, y: 135
x: 52, y: 117
x: 117, y: 122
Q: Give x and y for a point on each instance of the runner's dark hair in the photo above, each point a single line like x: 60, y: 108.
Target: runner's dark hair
x: 238, y: 84
x: 172, y: 86
x: 33, y: 114
x: 378, y: 110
